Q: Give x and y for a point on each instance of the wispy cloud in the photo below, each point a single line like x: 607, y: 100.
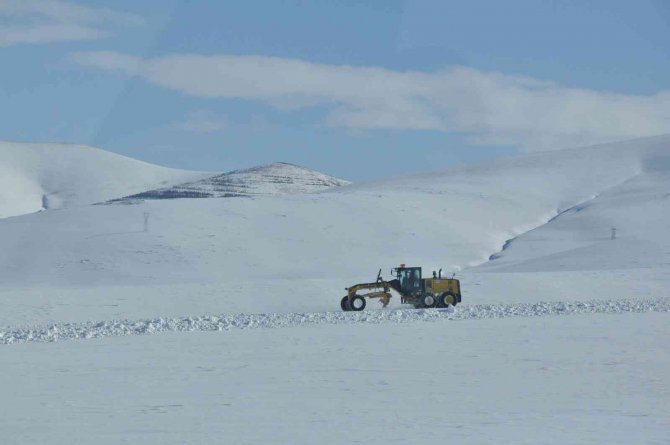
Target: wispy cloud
x: 203, y: 121
x: 46, y: 21
x: 492, y: 108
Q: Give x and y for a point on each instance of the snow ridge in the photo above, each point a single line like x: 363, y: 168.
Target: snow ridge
x: 267, y: 180
x: 226, y: 322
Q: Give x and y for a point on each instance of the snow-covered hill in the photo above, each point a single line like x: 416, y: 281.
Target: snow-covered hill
x: 51, y: 176
x: 278, y: 178
x: 36, y: 177
x: 297, y: 252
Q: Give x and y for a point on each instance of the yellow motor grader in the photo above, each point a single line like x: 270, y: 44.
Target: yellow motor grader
x: 413, y: 289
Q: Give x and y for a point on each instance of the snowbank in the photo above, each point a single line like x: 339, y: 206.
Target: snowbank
x: 225, y: 322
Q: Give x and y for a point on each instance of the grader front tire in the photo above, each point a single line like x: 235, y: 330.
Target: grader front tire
x: 357, y: 303
x: 344, y: 304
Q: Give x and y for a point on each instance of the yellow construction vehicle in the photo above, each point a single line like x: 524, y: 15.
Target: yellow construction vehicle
x: 413, y: 289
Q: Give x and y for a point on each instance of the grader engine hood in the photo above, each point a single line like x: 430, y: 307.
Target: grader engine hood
x: 395, y: 285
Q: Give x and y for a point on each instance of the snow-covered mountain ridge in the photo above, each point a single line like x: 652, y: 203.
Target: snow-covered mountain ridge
x: 274, y: 179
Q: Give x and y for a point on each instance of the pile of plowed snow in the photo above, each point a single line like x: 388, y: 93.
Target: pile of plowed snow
x: 226, y: 322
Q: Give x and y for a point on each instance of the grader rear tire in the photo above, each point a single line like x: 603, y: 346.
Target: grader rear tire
x: 446, y: 300
x: 344, y: 304
x: 428, y: 301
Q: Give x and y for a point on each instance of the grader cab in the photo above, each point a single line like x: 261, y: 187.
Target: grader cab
x: 410, y: 285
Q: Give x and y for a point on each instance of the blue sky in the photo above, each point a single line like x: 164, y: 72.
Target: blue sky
x: 356, y: 89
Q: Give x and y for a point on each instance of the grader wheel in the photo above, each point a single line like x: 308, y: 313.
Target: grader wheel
x: 357, y: 303
x: 344, y: 304
x: 429, y: 301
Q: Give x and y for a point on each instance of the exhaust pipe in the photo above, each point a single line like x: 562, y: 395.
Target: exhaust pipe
x: 439, y: 274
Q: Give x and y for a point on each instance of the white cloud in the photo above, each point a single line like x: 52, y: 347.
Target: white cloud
x: 12, y: 35
x: 46, y: 21
x: 203, y: 121
x: 492, y: 108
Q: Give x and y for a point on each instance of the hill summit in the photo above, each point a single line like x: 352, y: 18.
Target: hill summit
x: 274, y: 179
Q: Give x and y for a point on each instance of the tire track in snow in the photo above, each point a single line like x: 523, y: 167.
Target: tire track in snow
x: 227, y: 322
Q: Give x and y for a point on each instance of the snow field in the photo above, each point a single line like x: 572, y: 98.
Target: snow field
x: 582, y: 379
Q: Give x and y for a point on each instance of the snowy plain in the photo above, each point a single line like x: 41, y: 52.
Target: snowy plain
x: 529, y: 237
x: 550, y: 380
